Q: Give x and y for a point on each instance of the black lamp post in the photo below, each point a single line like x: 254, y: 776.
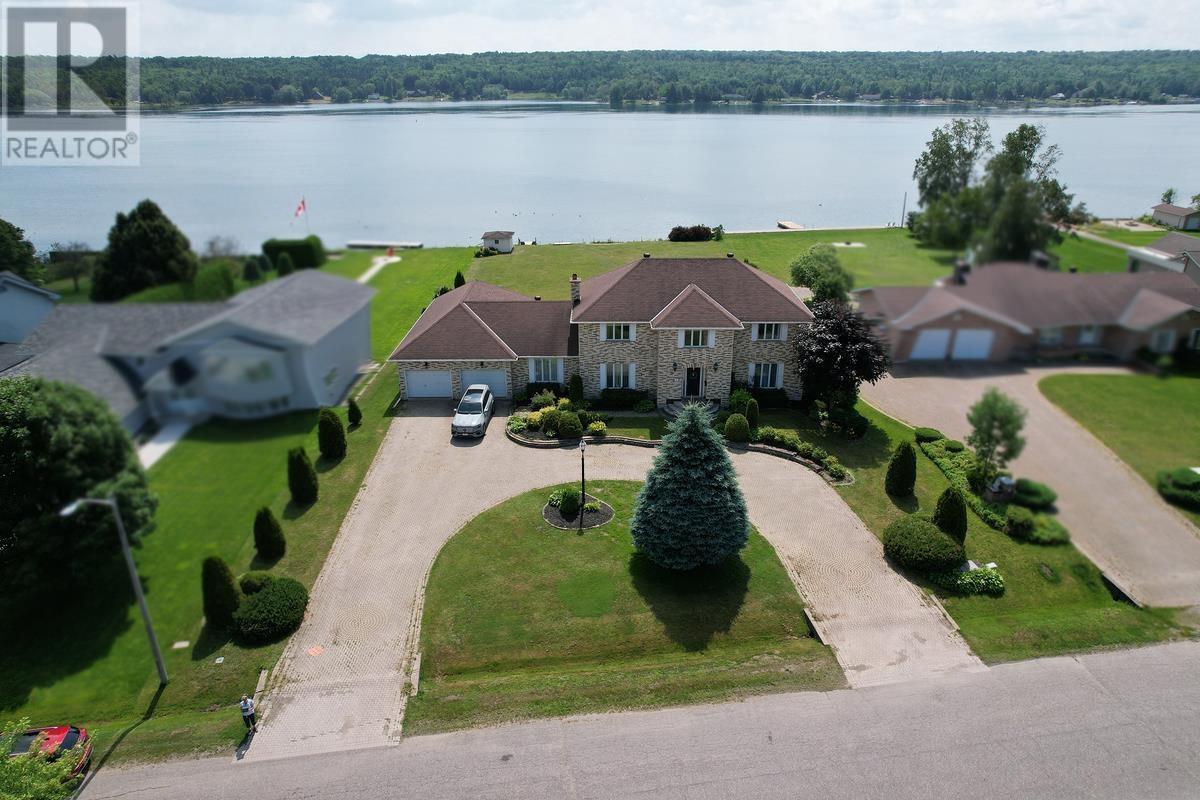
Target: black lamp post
x: 582, y: 481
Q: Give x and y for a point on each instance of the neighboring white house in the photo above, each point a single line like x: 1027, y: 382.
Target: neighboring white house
x: 1186, y: 219
x: 22, y: 306
x: 498, y: 240
x: 294, y: 343
x: 1175, y: 252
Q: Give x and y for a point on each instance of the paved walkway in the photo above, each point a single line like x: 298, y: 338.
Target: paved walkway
x: 1109, y: 725
x: 340, y: 683
x: 160, y: 443
x: 377, y: 264
x: 1118, y: 520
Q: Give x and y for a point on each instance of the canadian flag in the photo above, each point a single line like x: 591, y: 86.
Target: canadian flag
x: 300, y: 209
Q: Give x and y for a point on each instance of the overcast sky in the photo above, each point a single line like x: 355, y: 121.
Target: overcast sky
x: 358, y: 27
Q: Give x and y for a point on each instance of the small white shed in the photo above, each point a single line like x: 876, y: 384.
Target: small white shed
x: 499, y: 240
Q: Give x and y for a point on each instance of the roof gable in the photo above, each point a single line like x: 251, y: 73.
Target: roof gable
x: 640, y: 290
x: 694, y: 308
x: 458, y: 333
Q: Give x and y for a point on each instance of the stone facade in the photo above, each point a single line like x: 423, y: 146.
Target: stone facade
x: 520, y: 372
x: 456, y: 387
x: 746, y: 351
x: 673, y: 363
x: 594, y: 351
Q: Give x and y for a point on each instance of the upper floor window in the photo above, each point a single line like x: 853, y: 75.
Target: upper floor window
x: 695, y: 337
x: 618, y: 333
x: 544, y: 370
x: 768, y: 331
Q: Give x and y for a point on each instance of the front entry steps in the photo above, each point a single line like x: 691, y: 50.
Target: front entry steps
x: 671, y: 409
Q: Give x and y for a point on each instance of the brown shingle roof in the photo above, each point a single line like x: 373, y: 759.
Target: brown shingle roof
x: 693, y: 308
x: 638, y: 291
x: 1027, y: 297
x: 482, y: 321
x: 1171, y: 208
x: 497, y: 234
x: 1176, y: 244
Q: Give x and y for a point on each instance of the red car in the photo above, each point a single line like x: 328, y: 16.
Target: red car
x: 58, y: 741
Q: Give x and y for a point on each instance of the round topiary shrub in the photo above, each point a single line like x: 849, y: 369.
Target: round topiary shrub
x: 951, y: 514
x: 917, y: 544
x: 738, y: 400
x: 268, y: 535
x: 928, y: 434
x: 597, y: 428
x: 569, y: 426
x: 271, y: 613
x: 737, y: 429
x: 221, y: 595
x: 1018, y: 522
x: 752, y: 413
x: 255, y: 581
x: 954, y: 446
x: 1180, y: 486
x: 331, y: 434
x: 569, y: 505
x: 902, y: 471
x: 1032, y: 494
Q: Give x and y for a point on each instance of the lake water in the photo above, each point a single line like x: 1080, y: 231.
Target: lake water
x: 442, y: 173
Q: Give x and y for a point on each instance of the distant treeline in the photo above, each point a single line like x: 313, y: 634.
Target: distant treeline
x: 676, y: 76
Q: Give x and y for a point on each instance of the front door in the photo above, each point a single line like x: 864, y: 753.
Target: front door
x: 693, y: 383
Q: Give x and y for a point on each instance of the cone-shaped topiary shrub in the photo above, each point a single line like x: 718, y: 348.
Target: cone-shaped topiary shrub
x: 271, y: 613
x: 284, y: 265
x: 353, y: 413
x: 302, y: 478
x: 951, y: 514
x: 251, y: 270
x: 575, y: 389
x: 902, y: 471
x: 221, y: 595
x: 690, y: 512
x: 331, y: 434
x: 752, y: 413
x: 459, y: 280
x: 268, y: 535
x: 736, y: 428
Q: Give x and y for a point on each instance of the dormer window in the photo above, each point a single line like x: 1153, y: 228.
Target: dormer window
x: 617, y: 332
x: 695, y: 337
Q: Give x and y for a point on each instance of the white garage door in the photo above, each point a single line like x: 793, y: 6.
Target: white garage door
x: 427, y: 382
x: 931, y: 344
x: 492, y: 377
x: 972, y: 343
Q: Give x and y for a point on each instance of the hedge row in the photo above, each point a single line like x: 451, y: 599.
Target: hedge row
x: 955, y: 466
x: 306, y: 253
x: 788, y: 440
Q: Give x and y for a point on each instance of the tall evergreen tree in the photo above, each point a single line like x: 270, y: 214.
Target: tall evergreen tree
x: 690, y: 512
x: 268, y: 535
x: 221, y: 593
x: 144, y: 249
x: 302, y: 478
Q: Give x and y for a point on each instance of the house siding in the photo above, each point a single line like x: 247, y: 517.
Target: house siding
x: 642, y: 350
x: 455, y: 367
x: 747, y: 351
x: 1004, y: 343
x: 673, y: 362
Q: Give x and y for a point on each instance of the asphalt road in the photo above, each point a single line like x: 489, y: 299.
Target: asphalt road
x: 1121, y: 725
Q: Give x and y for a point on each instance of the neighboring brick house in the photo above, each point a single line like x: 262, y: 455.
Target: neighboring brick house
x: 1005, y: 311
x: 674, y: 328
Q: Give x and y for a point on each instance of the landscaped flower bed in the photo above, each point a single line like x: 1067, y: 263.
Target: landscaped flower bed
x: 594, y: 513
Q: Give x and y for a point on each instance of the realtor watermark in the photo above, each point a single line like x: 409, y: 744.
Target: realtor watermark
x: 69, y: 84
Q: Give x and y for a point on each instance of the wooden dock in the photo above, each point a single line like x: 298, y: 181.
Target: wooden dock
x: 788, y: 225
x: 367, y: 244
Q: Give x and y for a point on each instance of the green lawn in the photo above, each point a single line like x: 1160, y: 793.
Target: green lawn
x: 585, y: 625
x: 650, y: 426
x: 1126, y: 236
x: 1087, y: 255
x: 1152, y: 423
x: 66, y: 290
x: 890, y: 256
x: 1055, y: 600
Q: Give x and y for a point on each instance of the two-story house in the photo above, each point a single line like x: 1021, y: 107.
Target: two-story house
x: 676, y: 328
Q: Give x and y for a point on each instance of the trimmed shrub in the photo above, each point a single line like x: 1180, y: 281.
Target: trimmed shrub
x: 569, y: 426
x: 927, y: 434
x: 544, y: 398
x: 555, y: 499
x: 252, y: 270
x: 1018, y: 523
x: 532, y: 390
x: 956, y: 467
x: 954, y: 446
x: 268, y: 535
x: 221, y: 595
x: 533, y: 420
x: 255, y: 581
x: 849, y: 422
x: 459, y: 280
x: 353, y: 413
x: 214, y: 281
x: 591, y: 508
x: 835, y: 468
x: 1032, y: 494
x: 916, y: 543
x: 305, y: 253
x: 588, y: 417
x: 569, y: 506
x: 302, y: 478
x: 1048, y: 531
x: 738, y: 400
x: 597, y: 428
x: 645, y: 406
x: 690, y: 233
x: 284, y: 265
x: 752, y: 413
x: 975, y: 581
x: 1180, y: 486
x: 551, y: 417
x: 902, y: 471
x: 564, y: 404
x: 575, y: 388
x: 621, y: 399
x: 517, y: 424
x: 951, y: 514
x: 331, y: 434
x: 271, y: 613
x: 737, y: 429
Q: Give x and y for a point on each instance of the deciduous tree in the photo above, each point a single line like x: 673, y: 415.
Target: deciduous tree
x: 18, y: 255
x: 837, y: 353
x: 144, y: 249
x: 818, y: 268
x: 996, y: 423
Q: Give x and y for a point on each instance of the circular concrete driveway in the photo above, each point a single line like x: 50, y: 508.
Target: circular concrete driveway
x: 341, y: 682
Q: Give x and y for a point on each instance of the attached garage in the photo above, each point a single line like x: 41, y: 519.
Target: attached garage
x: 972, y: 344
x: 428, y: 382
x: 497, y: 379
x: 931, y: 345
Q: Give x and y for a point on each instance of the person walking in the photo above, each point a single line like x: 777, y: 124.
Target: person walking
x: 248, y: 715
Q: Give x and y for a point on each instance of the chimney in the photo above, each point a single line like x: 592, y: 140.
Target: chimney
x: 574, y: 289
x: 961, y: 268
